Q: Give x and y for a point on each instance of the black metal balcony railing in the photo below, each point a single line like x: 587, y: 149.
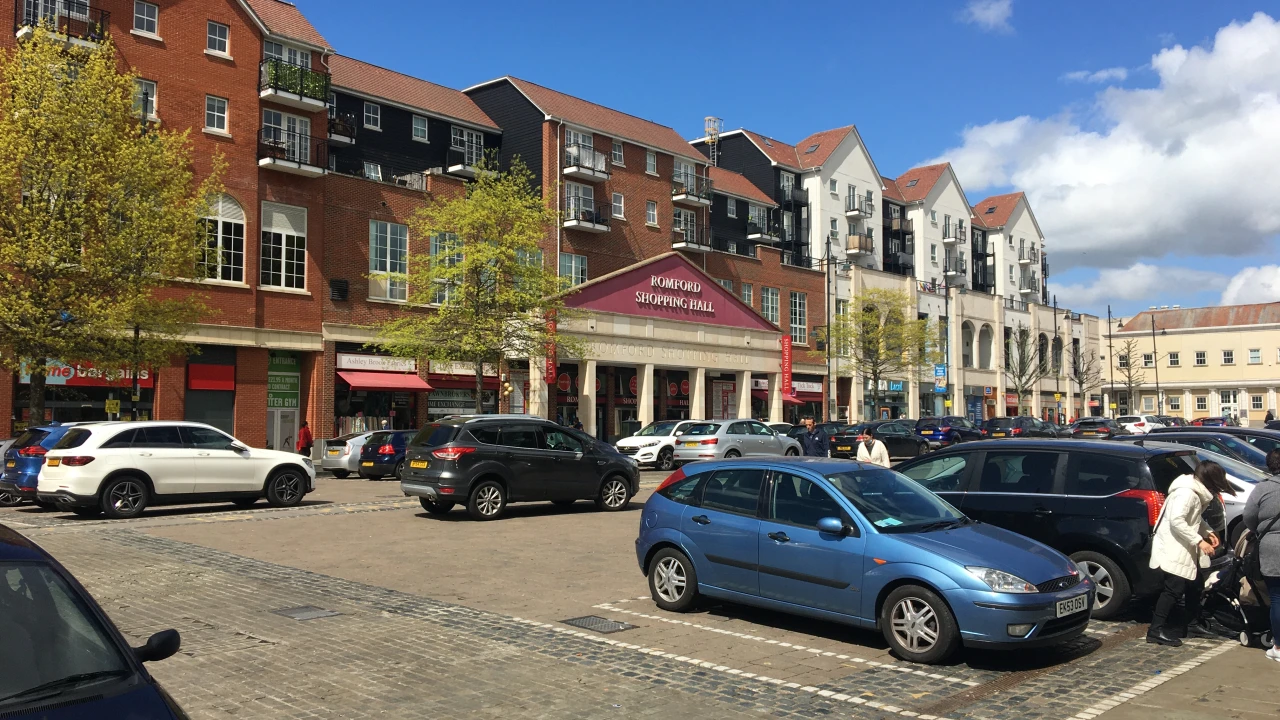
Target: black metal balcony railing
x: 798, y: 196
x: 1014, y: 304
x: 769, y: 228
x: 723, y: 243
x: 980, y: 245
x: 469, y: 155
x: 855, y: 203
x: 898, y: 224
x: 691, y: 184
x: 949, y: 233
x: 932, y: 288
x: 284, y: 76
x: 798, y: 258
x: 343, y: 124
x: 66, y: 17
x: 576, y: 208
x: 690, y: 236
x: 277, y: 144
x: 582, y: 156
x: 952, y: 264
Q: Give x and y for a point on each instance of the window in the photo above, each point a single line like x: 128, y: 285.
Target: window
x: 734, y: 491
x: 685, y: 222
x: 223, y: 253
x: 205, y: 438
x: 731, y: 207
x: 1011, y: 273
x: 288, y: 133
x: 469, y: 142
x: 1102, y: 475
x: 682, y: 491
x: 1228, y: 357
x: 1202, y: 358
x: 651, y: 212
x: 144, y: 98
x: 1148, y: 360
x: 373, y: 116
x: 831, y: 184
x: 373, y: 171
x: 769, y: 304
x: 447, y: 250
x: 941, y: 474
x: 388, y: 261
x: 158, y: 436
x: 747, y: 293
x: 1018, y: 472
x: 287, y: 53
x: 618, y: 206
x: 787, y: 182
x: 1148, y: 403
x: 145, y: 17
x: 1122, y: 361
x: 617, y: 153
x: 933, y: 216
x: 759, y: 216
x: 835, y: 229
x: 933, y: 253
x: 1255, y: 357
x: 574, y: 268
x: 1174, y: 360
x: 788, y: 226
x: 1202, y: 402
x: 216, y: 38
x: 651, y: 162
x: 419, y: 128
x: 522, y: 436
x: 1255, y: 402
x: 1175, y: 403
x: 284, y: 246
x: 801, y: 502
x: 215, y: 113
x: 799, y: 321
x: 560, y: 440
x: 726, y: 284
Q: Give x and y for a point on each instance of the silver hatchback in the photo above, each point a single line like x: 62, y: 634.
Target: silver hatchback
x: 716, y: 439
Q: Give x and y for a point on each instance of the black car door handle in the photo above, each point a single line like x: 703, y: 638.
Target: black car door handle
x: 779, y: 536
x: 1042, y: 511
x: 701, y: 519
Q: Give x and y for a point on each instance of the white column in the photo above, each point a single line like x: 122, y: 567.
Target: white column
x: 775, y: 398
x: 587, y: 396
x: 1106, y: 403
x: 913, y: 398
x: 743, y: 381
x: 1244, y: 405
x: 1215, y: 401
x: 537, y: 400
x: 644, y: 398
x: 1271, y: 401
x: 698, y: 395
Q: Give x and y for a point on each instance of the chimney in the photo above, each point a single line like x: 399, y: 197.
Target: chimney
x: 1164, y: 307
x: 1177, y: 307
x: 1153, y: 307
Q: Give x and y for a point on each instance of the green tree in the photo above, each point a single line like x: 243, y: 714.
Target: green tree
x: 97, y: 211
x: 880, y: 337
x: 483, y: 273
x: 1024, y: 364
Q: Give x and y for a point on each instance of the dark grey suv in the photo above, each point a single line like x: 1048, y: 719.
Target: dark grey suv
x: 487, y: 461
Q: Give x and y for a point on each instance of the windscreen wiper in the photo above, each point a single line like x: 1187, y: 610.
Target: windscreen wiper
x: 66, y: 682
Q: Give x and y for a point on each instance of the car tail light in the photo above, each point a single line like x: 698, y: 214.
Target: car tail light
x: 674, y: 478
x: 32, y: 451
x: 387, y: 449
x: 1154, y: 500
x: 451, y: 453
x: 1139, y: 424
x: 945, y: 428
x: 709, y: 441
x: 77, y: 460
x: 986, y: 431
x: 1016, y: 431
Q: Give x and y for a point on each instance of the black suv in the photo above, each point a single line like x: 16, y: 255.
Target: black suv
x: 1095, y: 501
x: 1211, y: 439
x: 487, y: 461
x: 1020, y: 426
x: 1265, y: 440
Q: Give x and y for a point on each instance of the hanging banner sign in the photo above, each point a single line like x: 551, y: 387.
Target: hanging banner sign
x: 786, y: 365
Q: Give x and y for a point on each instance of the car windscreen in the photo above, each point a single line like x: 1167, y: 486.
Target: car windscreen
x: 891, y: 501
x: 74, y: 438
x: 703, y: 429
x: 1234, y: 468
x: 1247, y: 452
x: 50, y: 637
x: 659, y: 429
x: 29, y: 438
x: 1002, y: 422
x: 434, y: 435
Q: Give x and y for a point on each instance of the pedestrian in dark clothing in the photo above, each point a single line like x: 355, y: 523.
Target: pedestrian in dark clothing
x: 1262, y: 516
x: 1270, y: 416
x: 814, y: 441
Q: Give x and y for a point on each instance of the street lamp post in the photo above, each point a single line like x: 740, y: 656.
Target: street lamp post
x: 1155, y: 361
x: 1111, y: 361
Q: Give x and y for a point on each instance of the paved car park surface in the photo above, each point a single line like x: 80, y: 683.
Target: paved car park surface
x: 448, y: 617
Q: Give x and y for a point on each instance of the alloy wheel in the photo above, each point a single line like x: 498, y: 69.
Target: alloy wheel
x: 614, y: 493
x: 1102, y: 581
x: 8, y: 499
x: 666, y: 458
x: 669, y: 579
x: 287, y: 487
x: 915, y: 624
x: 127, y: 497
x: 489, y: 500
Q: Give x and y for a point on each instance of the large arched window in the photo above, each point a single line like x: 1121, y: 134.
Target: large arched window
x: 966, y: 344
x: 1057, y: 355
x: 986, y: 337
x: 224, y: 240
x: 1042, y: 353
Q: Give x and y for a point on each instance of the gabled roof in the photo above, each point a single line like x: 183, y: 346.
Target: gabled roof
x: 817, y: 148
x: 996, y: 210
x: 916, y: 183
x: 378, y: 82
x: 608, y: 121
x: 728, y: 182
x: 284, y: 19
x: 891, y: 189
x: 1205, y: 317
x: 778, y: 152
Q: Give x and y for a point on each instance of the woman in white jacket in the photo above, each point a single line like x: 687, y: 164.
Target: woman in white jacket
x: 1182, y: 543
x: 873, y: 451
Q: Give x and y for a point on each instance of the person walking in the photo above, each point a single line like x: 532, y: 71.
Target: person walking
x: 304, y: 440
x: 1181, y: 544
x: 814, y: 441
x: 1270, y: 416
x: 872, y: 450
x: 1262, y: 516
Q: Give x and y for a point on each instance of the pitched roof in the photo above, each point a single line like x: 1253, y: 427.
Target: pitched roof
x: 1205, y: 317
x: 598, y: 117
x: 916, y: 183
x: 286, y: 20
x: 891, y: 189
x: 823, y: 143
x: 732, y: 183
x: 996, y: 210
x: 387, y: 84
x: 776, y: 150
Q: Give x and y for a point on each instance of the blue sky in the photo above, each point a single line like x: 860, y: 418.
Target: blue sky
x: 913, y: 81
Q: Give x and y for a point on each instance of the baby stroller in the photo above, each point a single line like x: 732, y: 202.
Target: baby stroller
x: 1237, y: 598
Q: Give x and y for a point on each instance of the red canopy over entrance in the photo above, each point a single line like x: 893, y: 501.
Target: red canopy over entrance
x: 385, y: 381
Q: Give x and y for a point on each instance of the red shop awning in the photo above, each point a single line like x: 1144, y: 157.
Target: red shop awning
x: 385, y: 381
x: 460, y: 382
x: 791, y: 400
x: 802, y: 396
x: 760, y: 395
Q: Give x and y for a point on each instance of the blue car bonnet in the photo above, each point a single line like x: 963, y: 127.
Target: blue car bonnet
x: 982, y: 545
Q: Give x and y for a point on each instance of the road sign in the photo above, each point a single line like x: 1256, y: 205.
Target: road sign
x: 939, y: 370
x: 1114, y: 406
x: 946, y: 404
x: 112, y: 406
x: 1057, y: 396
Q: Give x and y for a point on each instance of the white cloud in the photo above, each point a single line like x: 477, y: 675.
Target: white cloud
x: 1184, y: 168
x: 1138, y: 282
x: 989, y: 14
x: 1098, y: 76
x: 1253, y: 285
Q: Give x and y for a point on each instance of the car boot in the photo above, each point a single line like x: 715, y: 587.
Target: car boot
x: 1162, y: 636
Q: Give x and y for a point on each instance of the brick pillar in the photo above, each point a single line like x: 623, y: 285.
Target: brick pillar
x: 6, y: 404
x: 170, y: 397
x: 322, y: 424
x: 251, y: 396
x: 422, y: 399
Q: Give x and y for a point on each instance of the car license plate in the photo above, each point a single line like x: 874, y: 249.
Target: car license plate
x: 417, y: 463
x: 846, y: 448
x: 692, y: 444
x: 334, y: 451
x: 367, y: 463
x: 11, y: 463
x: 1090, y: 434
x: 54, y: 462
x: 1070, y: 606
x: 997, y: 434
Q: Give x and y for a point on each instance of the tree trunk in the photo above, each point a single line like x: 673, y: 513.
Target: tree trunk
x: 479, y: 365
x: 35, y: 399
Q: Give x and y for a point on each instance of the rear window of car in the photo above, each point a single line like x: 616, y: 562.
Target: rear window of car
x: 381, y: 438
x: 1003, y: 422
x: 1167, y: 467
x: 29, y: 438
x: 926, y: 421
x: 703, y: 429
x: 1092, y: 421
x: 74, y: 438
x: 435, y: 434
x: 1129, y: 419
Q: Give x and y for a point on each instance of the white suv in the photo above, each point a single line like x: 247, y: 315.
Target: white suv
x: 1140, y: 424
x: 655, y: 443
x: 119, y: 468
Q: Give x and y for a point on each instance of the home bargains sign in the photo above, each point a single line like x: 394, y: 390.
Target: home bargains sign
x: 86, y: 375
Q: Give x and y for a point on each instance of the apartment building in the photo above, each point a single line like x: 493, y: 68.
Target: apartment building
x: 1021, y: 267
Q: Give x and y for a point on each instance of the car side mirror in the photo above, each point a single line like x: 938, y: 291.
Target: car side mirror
x: 162, y: 645
x: 236, y: 447
x: 832, y: 526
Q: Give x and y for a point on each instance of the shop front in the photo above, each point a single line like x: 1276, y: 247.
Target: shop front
x: 976, y: 399
x: 892, y: 403
x: 284, y: 406
x: 81, y: 392
x: 374, y: 392
x: 1011, y: 404
x: 453, y: 389
x: 807, y: 399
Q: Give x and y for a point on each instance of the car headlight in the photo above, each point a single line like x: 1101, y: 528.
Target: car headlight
x: 1001, y: 581
x: 307, y: 461
x: 1080, y: 568
x: 651, y: 443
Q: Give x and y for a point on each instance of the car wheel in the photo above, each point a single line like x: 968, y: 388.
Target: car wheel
x: 341, y: 474
x: 87, y: 512
x: 733, y: 454
x: 673, y: 582
x: 124, y: 497
x: 435, y: 507
x: 1234, y: 532
x: 666, y: 459
x: 918, y: 625
x: 1109, y: 581
x: 8, y: 499
x: 487, y: 501
x: 395, y: 474
x: 244, y: 502
x: 792, y: 452
x: 614, y: 495
x: 286, y: 488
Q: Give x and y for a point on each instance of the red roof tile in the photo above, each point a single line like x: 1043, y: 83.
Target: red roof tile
x: 1205, y: 317
x: 387, y: 84
x: 826, y: 142
x: 996, y: 210
x: 777, y: 151
x: 732, y: 183
x: 286, y: 20
x: 608, y: 121
x: 891, y: 189
x: 916, y: 183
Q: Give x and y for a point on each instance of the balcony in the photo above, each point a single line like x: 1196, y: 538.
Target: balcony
x: 692, y: 190
x: 690, y: 239
x: 292, y: 152
x: 951, y: 234
x: 796, y: 196
x: 1015, y: 304
x: 720, y: 243
x: 932, y: 288
x: 291, y: 84
x: 954, y: 266
x: 1044, y: 265
x: 342, y: 129
x: 859, y: 244
x: 980, y: 245
x: 900, y: 252
x: 1029, y: 283
x: 72, y: 19
x: 766, y: 233
x: 858, y: 208
x: 462, y: 161
x: 582, y: 215
x: 1028, y: 255
x: 799, y: 259
x: 900, y: 224
x: 581, y: 162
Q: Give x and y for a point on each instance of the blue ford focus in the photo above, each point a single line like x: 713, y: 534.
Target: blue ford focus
x: 857, y: 544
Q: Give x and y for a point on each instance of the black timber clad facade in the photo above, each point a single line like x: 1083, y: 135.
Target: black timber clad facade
x: 520, y: 120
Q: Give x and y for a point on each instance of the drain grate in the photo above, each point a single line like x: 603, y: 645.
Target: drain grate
x: 595, y: 623
x: 305, y: 612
